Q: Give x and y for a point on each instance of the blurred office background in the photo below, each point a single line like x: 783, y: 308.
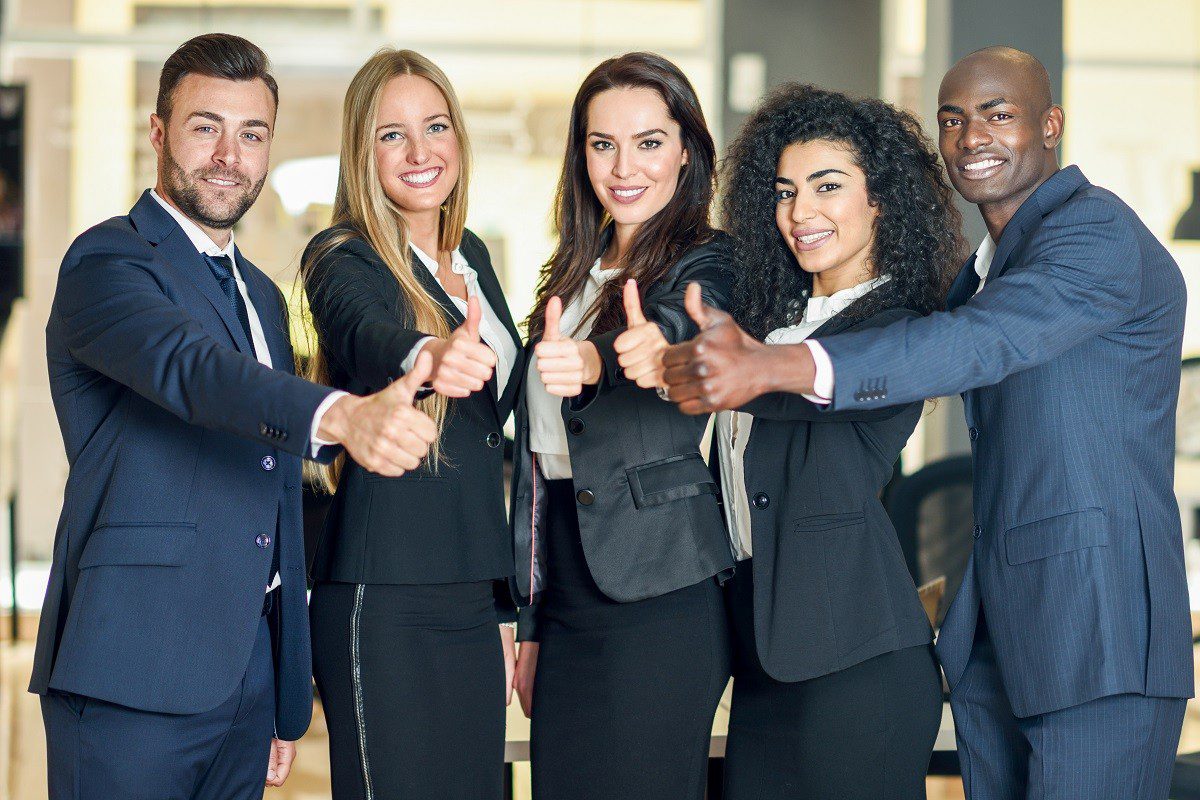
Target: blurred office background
x: 79, y: 79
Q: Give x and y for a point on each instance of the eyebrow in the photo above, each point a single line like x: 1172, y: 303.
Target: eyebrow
x: 430, y: 118
x: 990, y: 104
x: 214, y: 117
x: 641, y: 135
x: 821, y: 173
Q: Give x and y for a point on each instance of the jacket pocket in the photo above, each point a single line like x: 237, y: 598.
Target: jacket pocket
x: 1052, y: 536
x: 150, y: 544
x: 670, y: 479
x: 826, y: 522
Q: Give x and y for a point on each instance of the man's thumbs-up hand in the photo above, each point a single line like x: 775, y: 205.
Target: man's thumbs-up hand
x: 641, y: 346
x: 462, y: 363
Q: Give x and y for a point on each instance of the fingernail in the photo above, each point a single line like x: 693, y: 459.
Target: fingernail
x: 271, y: 775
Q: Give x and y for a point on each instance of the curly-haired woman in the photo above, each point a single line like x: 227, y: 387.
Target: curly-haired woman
x: 842, y: 220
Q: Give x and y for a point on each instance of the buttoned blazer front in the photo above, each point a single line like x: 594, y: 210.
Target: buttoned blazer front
x: 647, y: 505
x: 442, y: 523
x: 1069, y: 361
x: 831, y: 587
x: 185, y: 457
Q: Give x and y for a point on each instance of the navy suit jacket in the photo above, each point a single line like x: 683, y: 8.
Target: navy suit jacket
x: 183, y: 451
x: 1069, y: 364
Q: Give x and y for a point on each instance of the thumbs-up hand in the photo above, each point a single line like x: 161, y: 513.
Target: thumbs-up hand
x: 641, y: 346
x: 462, y: 364
x: 721, y: 368
x: 384, y: 432
x: 560, y: 361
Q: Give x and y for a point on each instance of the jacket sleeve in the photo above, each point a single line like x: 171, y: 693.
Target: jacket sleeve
x: 116, y: 317
x: 351, y: 298
x: 1081, y: 280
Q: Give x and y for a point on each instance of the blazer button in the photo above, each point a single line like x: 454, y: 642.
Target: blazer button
x: 974, y: 433
x: 761, y: 501
x: 262, y: 540
x: 268, y: 463
x: 493, y: 439
x: 263, y: 430
x: 977, y: 531
x: 585, y: 497
x: 575, y: 425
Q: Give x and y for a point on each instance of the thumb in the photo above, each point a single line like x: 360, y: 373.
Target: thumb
x: 633, y: 304
x: 551, y: 332
x: 474, y: 315
x: 407, y: 387
x: 694, y: 303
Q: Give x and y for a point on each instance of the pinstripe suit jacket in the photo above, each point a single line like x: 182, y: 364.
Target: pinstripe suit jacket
x: 1069, y: 364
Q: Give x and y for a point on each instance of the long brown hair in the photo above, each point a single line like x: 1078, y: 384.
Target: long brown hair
x: 580, y: 219
x: 362, y: 210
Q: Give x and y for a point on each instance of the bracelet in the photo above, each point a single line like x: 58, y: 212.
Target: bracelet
x: 512, y: 625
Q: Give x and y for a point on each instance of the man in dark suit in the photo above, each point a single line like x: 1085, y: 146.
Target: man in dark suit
x: 1068, y: 648
x: 173, y: 655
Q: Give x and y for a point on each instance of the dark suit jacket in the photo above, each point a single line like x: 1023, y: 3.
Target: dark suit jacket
x: 648, y: 512
x: 831, y: 588
x: 184, y: 450
x: 427, y: 526
x: 1069, y: 360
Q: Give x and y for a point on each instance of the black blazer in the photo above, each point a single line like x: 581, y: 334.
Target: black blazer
x: 647, y: 504
x: 424, y: 527
x: 831, y: 587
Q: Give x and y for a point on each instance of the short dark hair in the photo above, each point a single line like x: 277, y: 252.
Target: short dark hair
x: 216, y: 55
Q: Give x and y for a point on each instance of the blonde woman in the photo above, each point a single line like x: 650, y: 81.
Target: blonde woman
x: 412, y: 654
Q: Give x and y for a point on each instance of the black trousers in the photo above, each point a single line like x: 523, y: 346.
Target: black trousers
x: 411, y: 679
x: 100, y: 751
x: 863, y: 733
x: 625, y: 693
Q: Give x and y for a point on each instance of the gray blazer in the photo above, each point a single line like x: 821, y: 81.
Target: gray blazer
x: 1069, y: 361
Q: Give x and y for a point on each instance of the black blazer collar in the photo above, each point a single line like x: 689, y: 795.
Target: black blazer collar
x: 843, y: 321
x: 1053, y: 192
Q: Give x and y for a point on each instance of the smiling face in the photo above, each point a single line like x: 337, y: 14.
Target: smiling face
x: 417, y: 153
x: 214, y: 149
x: 997, y: 128
x: 634, y: 154
x: 824, y: 213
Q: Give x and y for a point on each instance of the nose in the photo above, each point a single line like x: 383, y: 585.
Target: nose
x: 974, y: 136
x: 623, y: 166
x: 418, y: 151
x: 802, y: 210
x: 227, y: 152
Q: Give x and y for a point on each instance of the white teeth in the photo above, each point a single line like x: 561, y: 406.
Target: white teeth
x: 420, y: 178
x: 220, y: 182
x: 991, y: 162
x: 628, y: 192
x: 815, y: 237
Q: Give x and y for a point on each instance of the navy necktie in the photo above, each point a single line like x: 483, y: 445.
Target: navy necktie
x: 222, y: 268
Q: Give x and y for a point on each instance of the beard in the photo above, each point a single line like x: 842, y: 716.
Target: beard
x: 187, y: 189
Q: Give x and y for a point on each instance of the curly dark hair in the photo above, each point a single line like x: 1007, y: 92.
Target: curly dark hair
x: 917, y: 239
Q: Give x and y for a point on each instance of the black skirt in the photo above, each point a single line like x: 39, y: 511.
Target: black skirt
x: 411, y: 679
x: 863, y: 733
x: 624, y: 693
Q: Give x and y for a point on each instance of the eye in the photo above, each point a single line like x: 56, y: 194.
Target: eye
x: 783, y: 194
x: 206, y: 129
x: 828, y: 187
x: 650, y: 144
x: 438, y: 127
x: 1001, y: 116
x: 601, y: 144
x: 951, y: 122
x: 254, y: 137
x: 391, y: 136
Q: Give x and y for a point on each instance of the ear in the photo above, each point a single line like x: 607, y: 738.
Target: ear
x: 684, y: 162
x: 158, y: 132
x: 1053, y: 124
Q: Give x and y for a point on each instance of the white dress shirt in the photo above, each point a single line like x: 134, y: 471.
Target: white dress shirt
x: 491, y: 329
x: 547, y: 433
x: 733, y: 427
x: 205, y: 245
x: 823, y: 377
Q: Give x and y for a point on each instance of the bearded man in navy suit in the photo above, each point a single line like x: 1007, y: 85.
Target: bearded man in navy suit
x: 173, y: 655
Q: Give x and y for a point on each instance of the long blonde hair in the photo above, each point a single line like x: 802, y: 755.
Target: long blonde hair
x: 362, y: 210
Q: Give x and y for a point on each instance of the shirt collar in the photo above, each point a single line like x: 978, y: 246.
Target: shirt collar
x: 602, y: 276
x: 820, y: 309
x: 983, y: 256
x: 458, y: 262
x: 200, y: 240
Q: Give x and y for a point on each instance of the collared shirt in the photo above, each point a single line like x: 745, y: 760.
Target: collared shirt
x: 733, y: 427
x: 205, y: 245
x: 823, y: 376
x: 491, y: 329
x: 547, y: 433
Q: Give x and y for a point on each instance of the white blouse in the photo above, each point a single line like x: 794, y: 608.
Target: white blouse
x: 491, y: 329
x: 733, y: 427
x: 547, y: 433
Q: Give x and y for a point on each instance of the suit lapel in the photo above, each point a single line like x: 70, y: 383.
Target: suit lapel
x: 266, y: 301
x: 164, y: 233
x: 1053, y: 192
x: 489, y: 285
x: 964, y: 285
x: 426, y: 279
